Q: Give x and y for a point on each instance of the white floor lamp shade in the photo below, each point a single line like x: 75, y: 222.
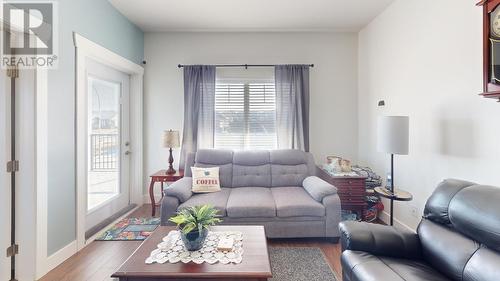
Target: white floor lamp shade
x: 392, y: 138
x: 393, y: 134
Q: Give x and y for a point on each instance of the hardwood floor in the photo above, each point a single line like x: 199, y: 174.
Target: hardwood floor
x: 100, y: 259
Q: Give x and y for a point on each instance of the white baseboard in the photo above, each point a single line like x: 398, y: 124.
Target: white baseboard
x: 60, y: 256
x: 69, y: 250
x: 385, y: 217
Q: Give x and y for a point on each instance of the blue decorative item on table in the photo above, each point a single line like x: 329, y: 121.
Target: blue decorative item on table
x: 194, y: 240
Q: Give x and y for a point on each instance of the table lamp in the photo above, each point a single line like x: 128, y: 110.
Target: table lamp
x: 393, y: 134
x: 171, y: 140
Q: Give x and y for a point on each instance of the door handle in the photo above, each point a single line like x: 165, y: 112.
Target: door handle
x: 127, y: 152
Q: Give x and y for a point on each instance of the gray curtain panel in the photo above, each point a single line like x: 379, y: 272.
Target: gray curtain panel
x: 199, y: 109
x: 292, y: 106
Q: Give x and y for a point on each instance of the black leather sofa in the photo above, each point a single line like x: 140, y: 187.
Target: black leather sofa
x: 458, y: 239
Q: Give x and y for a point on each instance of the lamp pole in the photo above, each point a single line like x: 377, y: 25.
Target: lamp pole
x: 392, y: 187
x: 171, y: 169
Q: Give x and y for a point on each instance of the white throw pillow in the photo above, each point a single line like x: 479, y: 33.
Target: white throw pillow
x: 205, y: 180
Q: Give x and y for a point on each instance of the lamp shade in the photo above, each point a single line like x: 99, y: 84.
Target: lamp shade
x: 393, y: 134
x: 171, y: 139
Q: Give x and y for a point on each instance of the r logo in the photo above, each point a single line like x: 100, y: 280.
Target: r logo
x: 36, y: 21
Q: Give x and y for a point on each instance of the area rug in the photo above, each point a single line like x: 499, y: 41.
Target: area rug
x: 299, y: 264
x: 130, y: 229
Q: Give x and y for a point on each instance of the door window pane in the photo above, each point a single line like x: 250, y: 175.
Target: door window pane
x: 104, y: 141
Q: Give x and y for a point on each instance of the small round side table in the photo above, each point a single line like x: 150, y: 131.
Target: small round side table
x: 398, y: 195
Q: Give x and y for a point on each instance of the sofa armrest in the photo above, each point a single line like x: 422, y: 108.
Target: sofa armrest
x: 333, y: 215
x: 169, y: 206
x: 318, y: 188
x: 379, y: 240
x: 181, y: 189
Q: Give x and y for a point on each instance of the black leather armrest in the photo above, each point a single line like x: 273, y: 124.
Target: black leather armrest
x: 379, y: 240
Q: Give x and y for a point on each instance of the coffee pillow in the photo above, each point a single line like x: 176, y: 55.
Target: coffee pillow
x: 205, y: 180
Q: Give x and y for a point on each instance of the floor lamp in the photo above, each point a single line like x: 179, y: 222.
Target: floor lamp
x: 393, y: 139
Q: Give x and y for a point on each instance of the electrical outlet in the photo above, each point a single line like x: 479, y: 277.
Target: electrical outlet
x: 414, y: 211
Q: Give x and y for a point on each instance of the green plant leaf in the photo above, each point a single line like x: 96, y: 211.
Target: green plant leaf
x: 196, y: 218
x: 188, y: 228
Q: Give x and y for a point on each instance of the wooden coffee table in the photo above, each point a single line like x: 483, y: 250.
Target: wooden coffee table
x: 255, y: 265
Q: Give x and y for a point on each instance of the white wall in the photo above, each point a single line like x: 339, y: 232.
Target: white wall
x: 424, y: 58
x: 333, y: 82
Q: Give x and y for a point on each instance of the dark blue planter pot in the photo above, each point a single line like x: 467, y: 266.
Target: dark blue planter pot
x: 194, y: 240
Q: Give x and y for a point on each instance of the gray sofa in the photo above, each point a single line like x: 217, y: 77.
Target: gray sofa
x: 277, y: 189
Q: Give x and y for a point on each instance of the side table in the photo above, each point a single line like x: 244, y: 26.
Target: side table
x: 398, y: 195
x: 351, y: 190
x: 161, y: 177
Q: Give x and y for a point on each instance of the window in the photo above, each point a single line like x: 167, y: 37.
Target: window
x: 245, y: 114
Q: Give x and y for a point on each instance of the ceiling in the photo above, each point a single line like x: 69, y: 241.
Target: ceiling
x: 250, y: 15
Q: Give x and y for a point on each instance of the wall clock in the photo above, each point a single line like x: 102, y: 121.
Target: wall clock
x: 491, y: 48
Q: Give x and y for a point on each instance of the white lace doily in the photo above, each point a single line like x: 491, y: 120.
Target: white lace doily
x: 172, y: 249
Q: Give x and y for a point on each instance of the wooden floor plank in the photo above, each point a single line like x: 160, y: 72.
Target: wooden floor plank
x: 100, y: 259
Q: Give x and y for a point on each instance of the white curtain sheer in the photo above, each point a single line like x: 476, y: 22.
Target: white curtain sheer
x: 199, y: 109
x: 292, y: 106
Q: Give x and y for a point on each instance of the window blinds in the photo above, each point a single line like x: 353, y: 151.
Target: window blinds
x: 245, y: 114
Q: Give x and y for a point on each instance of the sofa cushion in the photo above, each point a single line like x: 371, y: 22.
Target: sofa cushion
x: 251, y: 157
x: 181, y: 189
x: 476, y: 202
x: 445, y: 248
x: 288, y: 175
x: 216, y: 199
x: 214, y: 156
x: 251, y: 202
x: 296, y: 202
x: 206, y: 158
x: 251, y: 168
x: 252, y: 175
x: 436, y: 207
x: 288, y: 157
x: 288, y: 167
x: 366, y: 267
x: 205, y: 180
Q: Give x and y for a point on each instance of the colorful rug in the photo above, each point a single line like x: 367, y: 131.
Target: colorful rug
x: 130, y: 229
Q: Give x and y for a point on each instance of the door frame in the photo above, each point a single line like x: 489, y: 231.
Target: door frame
x: 32, y: 241
x: 85, y: 48
x: 5, y: 208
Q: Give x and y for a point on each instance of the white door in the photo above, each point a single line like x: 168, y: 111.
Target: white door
x: 108, y: 188
x: 4, y: 176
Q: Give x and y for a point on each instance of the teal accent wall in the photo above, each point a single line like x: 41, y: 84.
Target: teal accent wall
x: 100, y: 22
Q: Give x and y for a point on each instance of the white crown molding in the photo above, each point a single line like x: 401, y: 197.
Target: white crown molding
x: 253, y: 30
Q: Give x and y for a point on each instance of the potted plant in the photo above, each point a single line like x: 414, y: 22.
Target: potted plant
x: 194, y: 223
